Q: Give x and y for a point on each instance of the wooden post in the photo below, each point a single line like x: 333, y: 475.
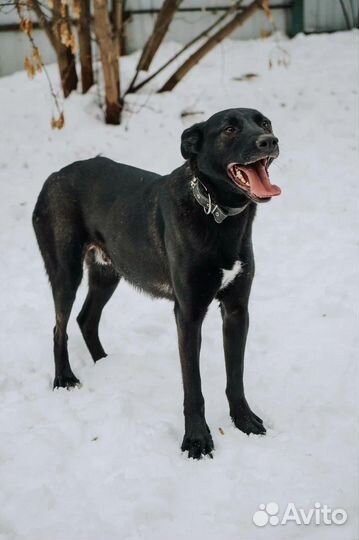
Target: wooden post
x: 84, y: 33
x: 118, y: 18
x: 109, y: 60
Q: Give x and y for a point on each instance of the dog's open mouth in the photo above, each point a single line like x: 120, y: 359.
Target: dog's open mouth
x: 254, y: 178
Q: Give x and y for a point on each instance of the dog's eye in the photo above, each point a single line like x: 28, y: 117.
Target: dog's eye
x: 230, y: 129
x: 266, y: 124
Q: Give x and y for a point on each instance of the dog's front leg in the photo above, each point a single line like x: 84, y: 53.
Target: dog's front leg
x: 234, y: 309
x: 197, y: 439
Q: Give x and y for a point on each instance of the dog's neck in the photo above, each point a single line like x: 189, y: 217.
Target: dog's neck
x: 210, y: 207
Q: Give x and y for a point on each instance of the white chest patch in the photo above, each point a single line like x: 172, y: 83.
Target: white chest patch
x: 229, y: 275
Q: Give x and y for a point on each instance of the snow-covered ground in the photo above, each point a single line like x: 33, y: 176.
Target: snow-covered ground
x: 103, y: 462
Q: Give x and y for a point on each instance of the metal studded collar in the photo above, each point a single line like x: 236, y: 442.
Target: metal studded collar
x: 209, y: 206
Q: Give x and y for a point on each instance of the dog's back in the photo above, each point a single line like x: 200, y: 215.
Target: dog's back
x: 110, y: 209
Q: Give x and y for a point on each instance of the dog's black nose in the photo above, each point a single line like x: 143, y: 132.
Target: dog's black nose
x: 267, y: 142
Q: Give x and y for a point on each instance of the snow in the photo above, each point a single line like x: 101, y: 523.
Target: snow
x: 103, y: 462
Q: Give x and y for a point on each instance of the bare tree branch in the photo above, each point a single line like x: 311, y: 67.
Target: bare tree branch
x: 40, y: 66
x: 44, y: 23
x: 212, y: 42
x: 162, y: 23
x: 203, y: 34
x: 164, y: 18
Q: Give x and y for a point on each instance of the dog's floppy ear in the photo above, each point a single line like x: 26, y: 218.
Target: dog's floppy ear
x: 191, y: 140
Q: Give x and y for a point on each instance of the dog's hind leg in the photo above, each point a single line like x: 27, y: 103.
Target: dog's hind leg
x: 64, y: 288
x: 103, y: 280
x: 61, y: 238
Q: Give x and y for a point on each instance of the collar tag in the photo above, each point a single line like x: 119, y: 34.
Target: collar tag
x: 209, y: 206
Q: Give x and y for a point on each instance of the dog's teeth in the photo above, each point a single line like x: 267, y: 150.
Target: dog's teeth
x: 238, y: 174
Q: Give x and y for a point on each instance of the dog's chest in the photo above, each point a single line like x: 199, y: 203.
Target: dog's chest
x: 229, y: 275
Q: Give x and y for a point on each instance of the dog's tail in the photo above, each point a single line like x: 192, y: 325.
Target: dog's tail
x: 58, y: 224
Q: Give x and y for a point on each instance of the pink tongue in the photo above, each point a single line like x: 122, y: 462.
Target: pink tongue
x: 260, y: 185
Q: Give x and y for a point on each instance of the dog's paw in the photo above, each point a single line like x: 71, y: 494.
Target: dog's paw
x: 198, y: 442
x: 66, y: 381
x: 247, y: 421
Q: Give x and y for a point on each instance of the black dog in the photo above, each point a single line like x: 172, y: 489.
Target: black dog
x: 185, y: 236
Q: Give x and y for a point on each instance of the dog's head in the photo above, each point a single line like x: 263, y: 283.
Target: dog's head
x: 234, y: 149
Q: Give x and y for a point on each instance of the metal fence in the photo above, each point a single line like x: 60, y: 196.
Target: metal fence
x: 290, y: 17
